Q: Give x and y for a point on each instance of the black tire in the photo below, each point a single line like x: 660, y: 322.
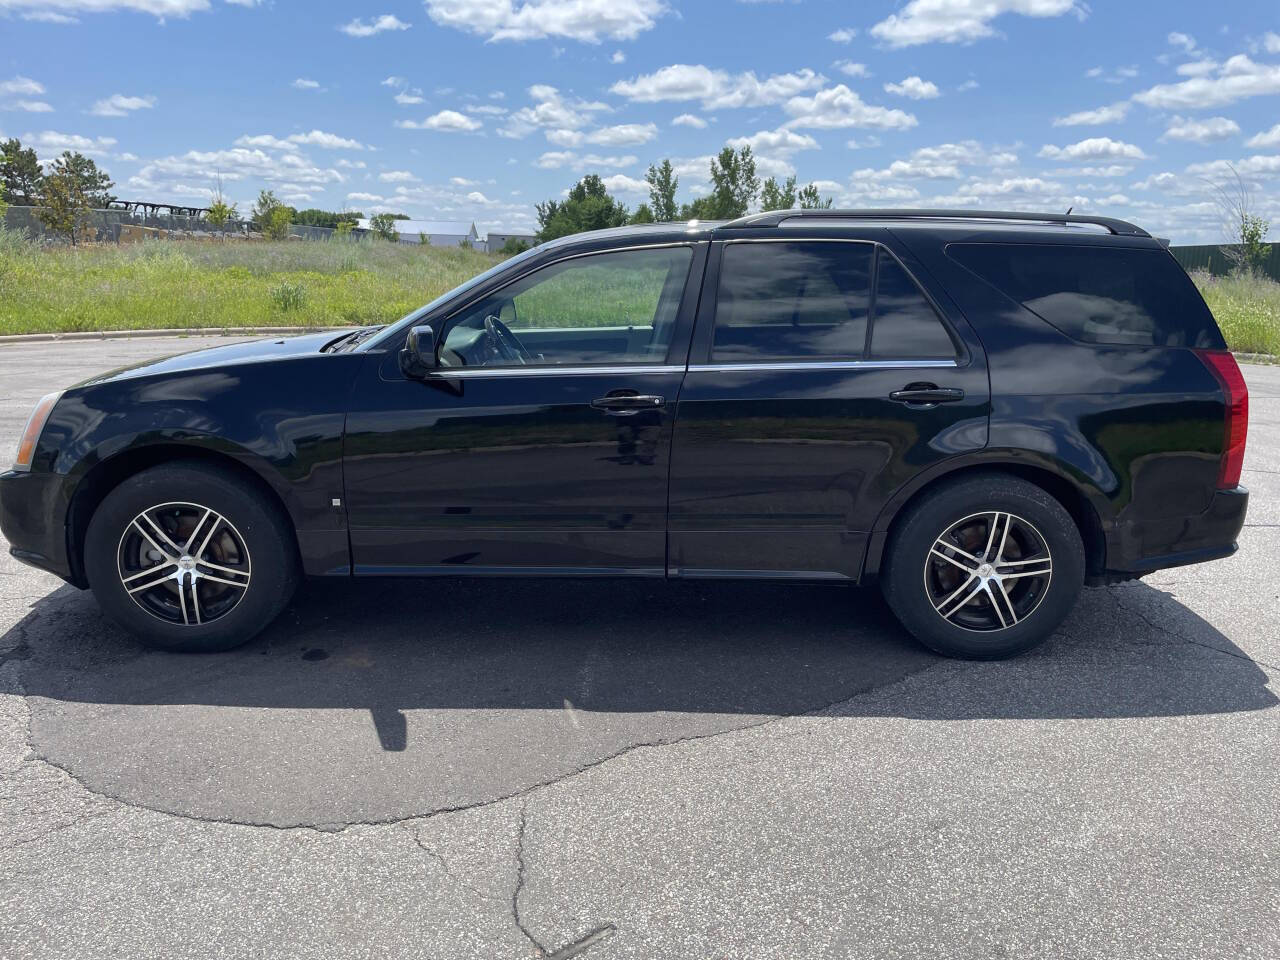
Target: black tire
x: 916, y: 576
x: 254, y: 535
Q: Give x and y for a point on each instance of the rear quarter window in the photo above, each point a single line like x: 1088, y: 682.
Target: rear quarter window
x: 1114, y: 295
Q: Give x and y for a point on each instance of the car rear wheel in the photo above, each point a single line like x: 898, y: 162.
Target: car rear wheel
x: 984, y: 568
x: 189, y: 557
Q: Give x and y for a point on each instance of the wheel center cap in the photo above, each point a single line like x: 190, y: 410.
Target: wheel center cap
x: 986, y: 570
x: 186, y: 563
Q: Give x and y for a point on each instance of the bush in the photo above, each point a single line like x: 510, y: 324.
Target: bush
x: 289, y: 296
x: 277, y: 224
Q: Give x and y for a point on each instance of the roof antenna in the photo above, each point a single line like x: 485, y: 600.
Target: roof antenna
x: 1069, y: 209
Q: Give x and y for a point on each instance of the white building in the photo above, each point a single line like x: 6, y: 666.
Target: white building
x: 439, y: 233
x: 494, y: 241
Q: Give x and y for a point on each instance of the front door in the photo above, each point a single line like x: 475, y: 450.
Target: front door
x: 543, y: 443
x: 821, y: 379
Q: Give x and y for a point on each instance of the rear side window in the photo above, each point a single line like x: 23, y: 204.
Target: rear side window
x: 813, y: 301
x: 792, y: 301
x: 1098, y: 294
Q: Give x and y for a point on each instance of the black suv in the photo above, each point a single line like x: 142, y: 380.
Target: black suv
x: 980, y: 410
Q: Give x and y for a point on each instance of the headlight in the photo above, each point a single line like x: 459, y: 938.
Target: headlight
x: 31, y: 433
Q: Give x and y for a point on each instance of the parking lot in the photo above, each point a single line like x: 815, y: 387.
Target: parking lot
x: 454, y: 769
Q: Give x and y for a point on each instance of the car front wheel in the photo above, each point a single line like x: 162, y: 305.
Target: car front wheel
x: 189, y: 557
x: 984, y: 568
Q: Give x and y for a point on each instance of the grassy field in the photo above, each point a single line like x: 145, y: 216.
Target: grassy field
x: 236, y: 284
x: 1247, y: 309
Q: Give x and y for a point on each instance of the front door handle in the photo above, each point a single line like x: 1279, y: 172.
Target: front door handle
x: 627, y: 404
x: 926, y: 394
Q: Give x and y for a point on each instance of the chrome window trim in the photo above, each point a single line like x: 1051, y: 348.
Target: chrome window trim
x: 550, y: 370
x: 823, y: 365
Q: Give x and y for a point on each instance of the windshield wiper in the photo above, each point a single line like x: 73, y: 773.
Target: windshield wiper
x: 353, y: 339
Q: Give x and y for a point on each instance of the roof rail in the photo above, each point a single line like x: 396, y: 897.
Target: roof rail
x: 776, y: 217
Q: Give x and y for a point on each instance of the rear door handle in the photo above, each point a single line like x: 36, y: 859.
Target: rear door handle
x: 926, y: 394
x: 626, y: 404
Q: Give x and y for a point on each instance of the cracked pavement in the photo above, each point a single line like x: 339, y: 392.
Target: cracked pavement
x: 622, y: 770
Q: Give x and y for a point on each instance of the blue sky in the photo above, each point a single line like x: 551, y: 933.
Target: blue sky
x: 477, y: 109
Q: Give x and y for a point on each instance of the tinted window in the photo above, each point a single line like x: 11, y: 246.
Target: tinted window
x: 607, y: 308
x: 1098, y: 294
x: 906, y: 326
x: 792, y: 301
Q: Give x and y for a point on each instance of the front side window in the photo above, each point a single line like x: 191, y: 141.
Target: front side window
x: 819, y: 301
x: 605, y: 308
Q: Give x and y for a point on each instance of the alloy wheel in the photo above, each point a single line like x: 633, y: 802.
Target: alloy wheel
x: 988, y: 571
x: 183, y: 563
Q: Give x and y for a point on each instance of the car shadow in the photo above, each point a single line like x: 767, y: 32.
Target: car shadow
x: 379, y: 700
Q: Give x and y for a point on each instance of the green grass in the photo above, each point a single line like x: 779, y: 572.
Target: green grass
x: 183, y: 284
x: 1246, y: 308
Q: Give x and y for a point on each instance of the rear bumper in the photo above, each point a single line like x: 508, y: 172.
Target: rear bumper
x: 33, y: 515
x: 1139, y: 548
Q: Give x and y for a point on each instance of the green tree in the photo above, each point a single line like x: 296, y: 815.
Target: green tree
x: 20, y: 173
x: 587, y: 207
x: 220, y: 212
x: 773, y: 197
x: 325, y: 218
x: 260, y: 215
x: 513, y: 246
x: 65, y: 205
x: 642, y: 214
x: 384, y: 226
x: 4, y: 207
x: 278, y: 222
x: 810, y: 199
x: 344, y: 228
x: 734, y: 187
x: 663, y: 183
x: 89, y: 181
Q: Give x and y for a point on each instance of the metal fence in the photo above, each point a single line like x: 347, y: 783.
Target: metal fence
x: 121, y: 226
x: 1213, y: 258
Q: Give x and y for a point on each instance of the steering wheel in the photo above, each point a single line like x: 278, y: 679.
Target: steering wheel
x: 505, y: 343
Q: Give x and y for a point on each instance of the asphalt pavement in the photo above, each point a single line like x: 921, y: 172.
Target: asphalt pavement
x: 456, y: 769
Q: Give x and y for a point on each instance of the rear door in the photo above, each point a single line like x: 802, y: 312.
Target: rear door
x: 822, y: 378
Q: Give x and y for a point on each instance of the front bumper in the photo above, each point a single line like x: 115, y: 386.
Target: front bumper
x: 33, y: 518
x: 1139, y: 548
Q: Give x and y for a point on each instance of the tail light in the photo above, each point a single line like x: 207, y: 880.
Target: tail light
x: 1227, y: 372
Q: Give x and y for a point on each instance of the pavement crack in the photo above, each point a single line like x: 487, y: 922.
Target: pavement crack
x: 1170, y: 632
x: 520, y: 880
x: 435, y: 855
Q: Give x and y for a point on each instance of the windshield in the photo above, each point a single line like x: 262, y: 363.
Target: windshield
x: 407, y: 321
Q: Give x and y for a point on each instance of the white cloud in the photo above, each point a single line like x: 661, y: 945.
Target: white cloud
x: 394, y: 82
x: 265, y: 141
x: 555, y: 159
x: 621, y: 183
x: 1095, y: 148
x: 488, y: 110
x: 21, y: 86
x: 1183, y: 40
x: 359, y: 28
x: 1209, y: 130
x: 326, y: 141
x: 1236, y: 79
x: 1197, y: 68
x: 943, y: 161
x: 118, y: 105
x: 839, y: 106
x: 463, y: 182
x: 50, y: 143
x: 352, y: 164
x: 450, y: 121
x: 1113, y: 113
x: 1257, y: 167
x: 778, y: 143
x: 588, y: 21
x: 843, y: 35
x: 1157, y: 181
x: 303, y: 83
x: 238, y: 163
x: 359, y: 197
x: 27, y: 106
x: 618, y: 57
x: 475, y: 196
x: 623, y: 135
x: 549, y: 111
x: 913, y: 87
x: 716, y: 89
x: 1271, y: 42
x: 1268, y: 138
x: 397, y: 176
x: 689, y: 120
x: 408, y: 97
x: 960, y: 21
x: 851, y: 69
x: 51, y: 10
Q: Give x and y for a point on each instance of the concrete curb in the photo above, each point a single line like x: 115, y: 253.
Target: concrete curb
x: 1256, y: 357
x: 177, y: 332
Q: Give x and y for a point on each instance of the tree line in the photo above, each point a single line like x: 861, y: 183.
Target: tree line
x: 64, y: 192
x: 735, y: 188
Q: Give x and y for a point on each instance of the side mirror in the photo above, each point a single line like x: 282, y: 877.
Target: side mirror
x: 418, y: 358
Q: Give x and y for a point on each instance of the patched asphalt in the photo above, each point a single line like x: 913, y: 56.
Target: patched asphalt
x: 454, y: 769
